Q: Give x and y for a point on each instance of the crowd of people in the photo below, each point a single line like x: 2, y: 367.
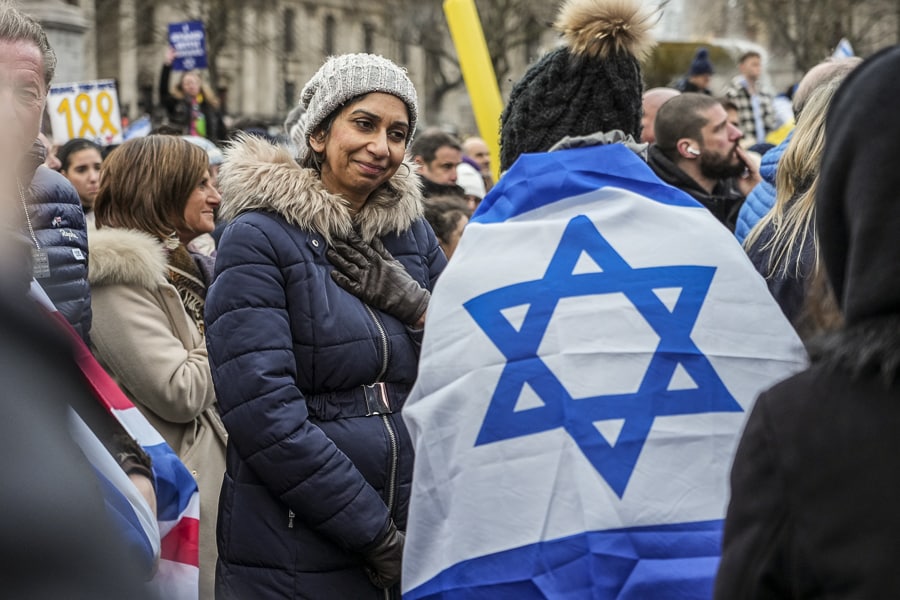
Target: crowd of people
x: 263, y: 304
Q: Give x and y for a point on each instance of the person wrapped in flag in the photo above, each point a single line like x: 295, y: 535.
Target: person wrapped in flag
x: 590, y: 354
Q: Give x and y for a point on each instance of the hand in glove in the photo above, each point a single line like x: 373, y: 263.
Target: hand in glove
x: 384, y: 561
x: 370, y: 273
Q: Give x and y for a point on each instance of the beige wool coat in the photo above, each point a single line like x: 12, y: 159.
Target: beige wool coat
x: 145, y: 339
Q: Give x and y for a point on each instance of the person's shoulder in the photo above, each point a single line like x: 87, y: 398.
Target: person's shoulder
x: 49, y: 186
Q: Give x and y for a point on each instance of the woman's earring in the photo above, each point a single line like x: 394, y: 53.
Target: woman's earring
x: 408, y: 171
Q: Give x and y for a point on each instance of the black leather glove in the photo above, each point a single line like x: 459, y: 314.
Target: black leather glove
x: 384, y: 561
x: 370, y: 273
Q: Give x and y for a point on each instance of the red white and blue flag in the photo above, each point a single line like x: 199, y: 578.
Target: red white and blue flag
x: 177, y: 496
x: 591, y: 353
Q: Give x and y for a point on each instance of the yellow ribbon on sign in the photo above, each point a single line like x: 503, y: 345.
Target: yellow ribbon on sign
x: 478, y: 73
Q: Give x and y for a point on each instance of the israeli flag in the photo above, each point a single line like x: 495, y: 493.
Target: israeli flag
x: 843, y: 49
x: 590, y: 355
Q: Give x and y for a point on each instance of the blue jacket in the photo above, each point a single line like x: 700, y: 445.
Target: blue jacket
x: 311, y: 482
x: 762, y: 198
x: 57, y: 218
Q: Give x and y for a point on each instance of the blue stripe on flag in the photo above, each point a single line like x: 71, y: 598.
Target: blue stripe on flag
x: 127, y: 522
x: 536, y: 180
x: 676, y: 562
x: 174, y: 484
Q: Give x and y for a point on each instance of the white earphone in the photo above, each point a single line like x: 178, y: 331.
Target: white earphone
x: 694, y: 151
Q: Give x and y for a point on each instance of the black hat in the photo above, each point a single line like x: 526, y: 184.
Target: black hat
x: 701, y: 64
x: 591, y: 84
x: 857, y: 207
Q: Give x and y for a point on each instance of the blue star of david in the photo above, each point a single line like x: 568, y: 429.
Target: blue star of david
x: 577, y: 416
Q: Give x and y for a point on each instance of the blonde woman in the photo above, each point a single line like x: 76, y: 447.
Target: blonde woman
x: 783, y: 244
x: 192, y: 105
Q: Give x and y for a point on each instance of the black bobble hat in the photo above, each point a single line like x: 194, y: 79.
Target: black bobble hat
x: 591, y: 84
x: 701, y: 65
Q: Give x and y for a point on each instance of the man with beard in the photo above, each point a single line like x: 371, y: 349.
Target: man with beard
x: 698, y: 150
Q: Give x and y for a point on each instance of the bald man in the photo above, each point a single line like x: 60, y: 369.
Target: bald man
x: 653, y: 99
x: 476, y: 149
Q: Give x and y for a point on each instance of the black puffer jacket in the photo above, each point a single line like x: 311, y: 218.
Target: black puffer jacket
x: 57, y: 218
x: 725, y: 201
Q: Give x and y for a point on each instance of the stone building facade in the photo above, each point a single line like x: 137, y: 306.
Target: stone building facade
x: 264, y: 50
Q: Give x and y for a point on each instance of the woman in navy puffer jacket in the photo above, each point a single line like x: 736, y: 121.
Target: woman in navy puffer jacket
x: 313, y: 329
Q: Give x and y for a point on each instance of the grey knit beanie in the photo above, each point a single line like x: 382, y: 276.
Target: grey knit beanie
x: 344, y: 77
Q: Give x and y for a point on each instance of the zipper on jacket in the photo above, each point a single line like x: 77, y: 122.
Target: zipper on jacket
x: 392, y: 434
x: 291, y: 519
x: 384, y: 341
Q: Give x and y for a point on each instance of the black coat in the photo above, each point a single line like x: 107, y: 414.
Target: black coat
x: 724, y: 202
x: 179, y: 110
x: 815, y: 483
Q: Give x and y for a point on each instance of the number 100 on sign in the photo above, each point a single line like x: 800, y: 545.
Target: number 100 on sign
x: 85, y: 110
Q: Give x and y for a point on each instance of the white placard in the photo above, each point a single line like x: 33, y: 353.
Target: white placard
x: 88, y: 109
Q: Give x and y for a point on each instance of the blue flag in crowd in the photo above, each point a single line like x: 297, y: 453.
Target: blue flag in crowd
x: 843, y: 49
x: 592, y: 351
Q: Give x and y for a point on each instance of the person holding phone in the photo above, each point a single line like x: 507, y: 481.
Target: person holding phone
x: 698, y: 150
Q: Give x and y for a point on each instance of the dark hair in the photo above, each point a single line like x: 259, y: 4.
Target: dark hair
x: 146, y: 182
x: 748, y: 54
x: 430, y: 141
x: 17, y: 26
x: 680, y: 118
x: 65, y: 152
x: 443, y: 213
x: 727, y: 104
x: 313, y: 159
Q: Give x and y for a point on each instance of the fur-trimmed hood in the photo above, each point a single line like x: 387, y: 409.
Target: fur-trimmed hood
x: 867, y: 348
x: 257, y: 175
x: 126, y: 257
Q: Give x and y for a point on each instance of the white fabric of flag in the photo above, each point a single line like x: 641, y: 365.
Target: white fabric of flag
x: 590, y: 355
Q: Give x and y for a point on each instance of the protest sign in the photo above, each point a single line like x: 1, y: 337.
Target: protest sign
x: 189, y: 40
x: 88, y: 109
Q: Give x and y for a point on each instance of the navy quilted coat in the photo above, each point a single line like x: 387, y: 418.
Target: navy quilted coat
x: 311, y: 481
x: 54, y: 209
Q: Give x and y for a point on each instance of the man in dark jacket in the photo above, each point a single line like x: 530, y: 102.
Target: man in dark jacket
x: 697, y: 150
x: 815, y: 485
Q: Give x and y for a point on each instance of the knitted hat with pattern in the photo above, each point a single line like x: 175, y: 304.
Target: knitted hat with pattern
x: 343, y: 78
x: 592, y: 84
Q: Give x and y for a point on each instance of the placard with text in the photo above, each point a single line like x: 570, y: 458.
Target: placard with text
x: 88, y: 109
x: 189, y: 40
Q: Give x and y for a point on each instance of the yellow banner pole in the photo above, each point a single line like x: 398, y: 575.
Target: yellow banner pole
x: 478, y: 73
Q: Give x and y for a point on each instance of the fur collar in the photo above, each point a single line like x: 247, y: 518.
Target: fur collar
x: 257, y: 175
x: 867, y: 348
x: 125, y: 257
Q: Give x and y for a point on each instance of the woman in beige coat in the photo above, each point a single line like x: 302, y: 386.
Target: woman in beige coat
x: 148, y: 298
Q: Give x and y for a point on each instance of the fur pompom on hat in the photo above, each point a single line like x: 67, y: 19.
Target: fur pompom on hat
x: 343, y: 78
x: 701, y: 65
x: 592, y: 84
